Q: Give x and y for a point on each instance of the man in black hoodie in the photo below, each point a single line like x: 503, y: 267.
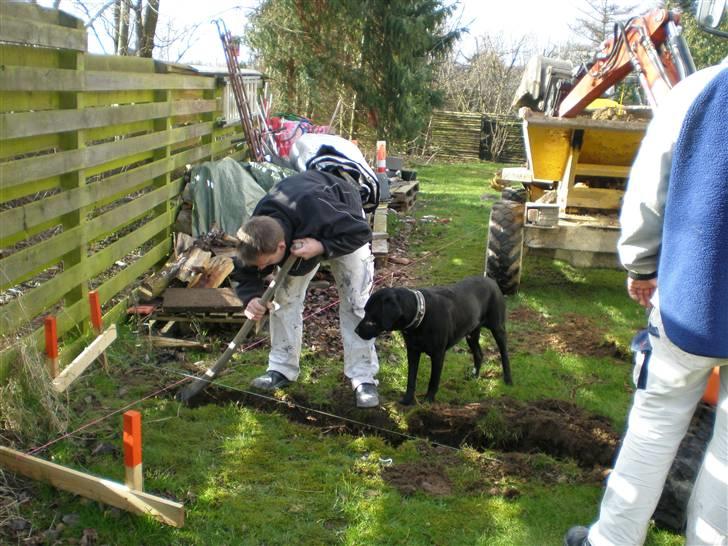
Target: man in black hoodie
x: 314, y: 216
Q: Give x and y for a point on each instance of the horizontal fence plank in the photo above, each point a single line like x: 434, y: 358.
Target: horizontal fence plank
x: 27, y: 217
x: 113, y: 98
x: 33, y: 302
x: 16, y: 174
x: 26, y: 31
x: 34, y: 12
x: 28, y: 261
x: 18, y: 78
x: 79, y: 311
x: 21, y: 55
x: 23, y: 101
x: 22, y: 146
x: 121, y: 63
x: 39, y: 123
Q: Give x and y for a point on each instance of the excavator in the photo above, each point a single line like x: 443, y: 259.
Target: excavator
x: 578, y: 164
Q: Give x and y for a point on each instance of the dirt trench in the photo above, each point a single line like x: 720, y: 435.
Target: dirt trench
x: 555, y: 427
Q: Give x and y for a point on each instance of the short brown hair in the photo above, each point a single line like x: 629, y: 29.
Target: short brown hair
x: 259, y: 235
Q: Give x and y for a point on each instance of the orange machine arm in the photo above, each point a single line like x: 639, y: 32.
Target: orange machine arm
x: 633, y: 47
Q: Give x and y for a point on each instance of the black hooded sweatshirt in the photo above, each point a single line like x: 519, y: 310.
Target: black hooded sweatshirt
x: 312, y: 204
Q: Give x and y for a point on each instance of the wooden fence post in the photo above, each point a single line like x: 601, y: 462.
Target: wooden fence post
x: 72, y: 180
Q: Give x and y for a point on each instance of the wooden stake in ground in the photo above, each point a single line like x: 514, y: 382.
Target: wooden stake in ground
x: 51, y: 345
x: 199, y: 383
x: 71, y: 372
x: 134, y: 477
x: 97, y: 322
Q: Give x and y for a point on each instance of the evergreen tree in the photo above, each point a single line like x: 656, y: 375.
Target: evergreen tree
x: 381, y: 54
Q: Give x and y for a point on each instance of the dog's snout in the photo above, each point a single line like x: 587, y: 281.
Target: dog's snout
x: 366, y: 329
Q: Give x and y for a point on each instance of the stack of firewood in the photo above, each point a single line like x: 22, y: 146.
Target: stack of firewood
x: 204, y: 262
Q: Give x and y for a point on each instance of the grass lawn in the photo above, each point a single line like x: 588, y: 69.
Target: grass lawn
x: 260, y: 473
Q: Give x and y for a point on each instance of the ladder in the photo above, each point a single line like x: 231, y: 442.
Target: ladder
x: 252, y: 135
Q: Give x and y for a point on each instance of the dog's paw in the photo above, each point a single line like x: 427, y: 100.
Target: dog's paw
x: 475, y: 373
x: 430, y: 397
x: 407, y: 400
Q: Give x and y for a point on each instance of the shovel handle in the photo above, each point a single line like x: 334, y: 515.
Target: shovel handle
x: 199, y: 383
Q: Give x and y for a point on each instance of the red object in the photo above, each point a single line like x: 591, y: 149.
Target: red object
x: 51, y: 336
x: 643, y: 35
x: 96, y: 320
x: 381, y: 157
x: 141, y: 310
x: 711, y: 392
x: 287, y: 131
x: 132, y: 438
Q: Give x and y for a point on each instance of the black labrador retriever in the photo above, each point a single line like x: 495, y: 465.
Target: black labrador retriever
x: 434, y: 319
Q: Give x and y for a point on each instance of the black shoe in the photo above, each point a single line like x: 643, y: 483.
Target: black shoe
x: 270, y: 381
x: 366, y: 396
x: 577, y: 536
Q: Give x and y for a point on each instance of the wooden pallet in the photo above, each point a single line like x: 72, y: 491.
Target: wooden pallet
x: 404, y: 195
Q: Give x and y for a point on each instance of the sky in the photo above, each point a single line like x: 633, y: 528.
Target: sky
x: 545, y: 22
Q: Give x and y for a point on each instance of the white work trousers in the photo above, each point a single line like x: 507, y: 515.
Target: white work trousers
x: 354, y: 274
x: 658, y: 420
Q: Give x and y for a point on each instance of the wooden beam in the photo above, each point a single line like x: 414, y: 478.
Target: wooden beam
x: 592, y: 169
x: 196, y: 300
x: 71, y: 372
x: 27, y: 124
x: 17, y: 173
x: 91, y: 487
x: 595, y: 198
x: 35, y: 33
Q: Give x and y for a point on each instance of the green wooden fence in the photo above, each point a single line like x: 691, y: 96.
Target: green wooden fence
x: 92, y: 153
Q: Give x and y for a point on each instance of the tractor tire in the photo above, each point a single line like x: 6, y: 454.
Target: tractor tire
x: 504, y: 251
x: 517, y: 195
x: 671, y: 511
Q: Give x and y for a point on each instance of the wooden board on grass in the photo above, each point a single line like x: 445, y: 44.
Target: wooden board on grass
x: 91, y: 487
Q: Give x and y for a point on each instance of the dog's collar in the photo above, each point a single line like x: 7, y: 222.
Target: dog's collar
x: 420, y: 314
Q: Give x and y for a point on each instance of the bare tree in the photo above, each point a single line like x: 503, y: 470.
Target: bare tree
x: 149, y: 27
x: 119, y: 20
x: 485, y: 81
x: 597, y: 20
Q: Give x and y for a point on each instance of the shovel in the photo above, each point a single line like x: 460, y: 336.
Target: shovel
x: 199, y: 383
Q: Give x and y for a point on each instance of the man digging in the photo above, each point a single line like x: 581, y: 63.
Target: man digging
x: 315, y: 216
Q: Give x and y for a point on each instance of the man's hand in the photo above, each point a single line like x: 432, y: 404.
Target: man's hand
x: 306, y: 248
x: 641, y: 290
x: 255, y: 309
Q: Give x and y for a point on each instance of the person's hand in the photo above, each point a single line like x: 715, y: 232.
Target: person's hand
x: 255, y: 309
x: 641, y: 290
x: 306, y: 248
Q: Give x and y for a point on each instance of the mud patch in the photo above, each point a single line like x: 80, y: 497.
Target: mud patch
x: 425, y: 476
x: 555, y: 427
x: 573, y: 334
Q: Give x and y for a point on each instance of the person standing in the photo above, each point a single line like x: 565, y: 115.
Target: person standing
x: 674, y: 245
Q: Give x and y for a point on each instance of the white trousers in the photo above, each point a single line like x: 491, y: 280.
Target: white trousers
x: 659, y: 418
x: 354, y: 274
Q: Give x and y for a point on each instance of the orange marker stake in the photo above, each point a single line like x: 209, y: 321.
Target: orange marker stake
x: 133, y: 450
x: 97, y: 323
x: 51, y: 344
